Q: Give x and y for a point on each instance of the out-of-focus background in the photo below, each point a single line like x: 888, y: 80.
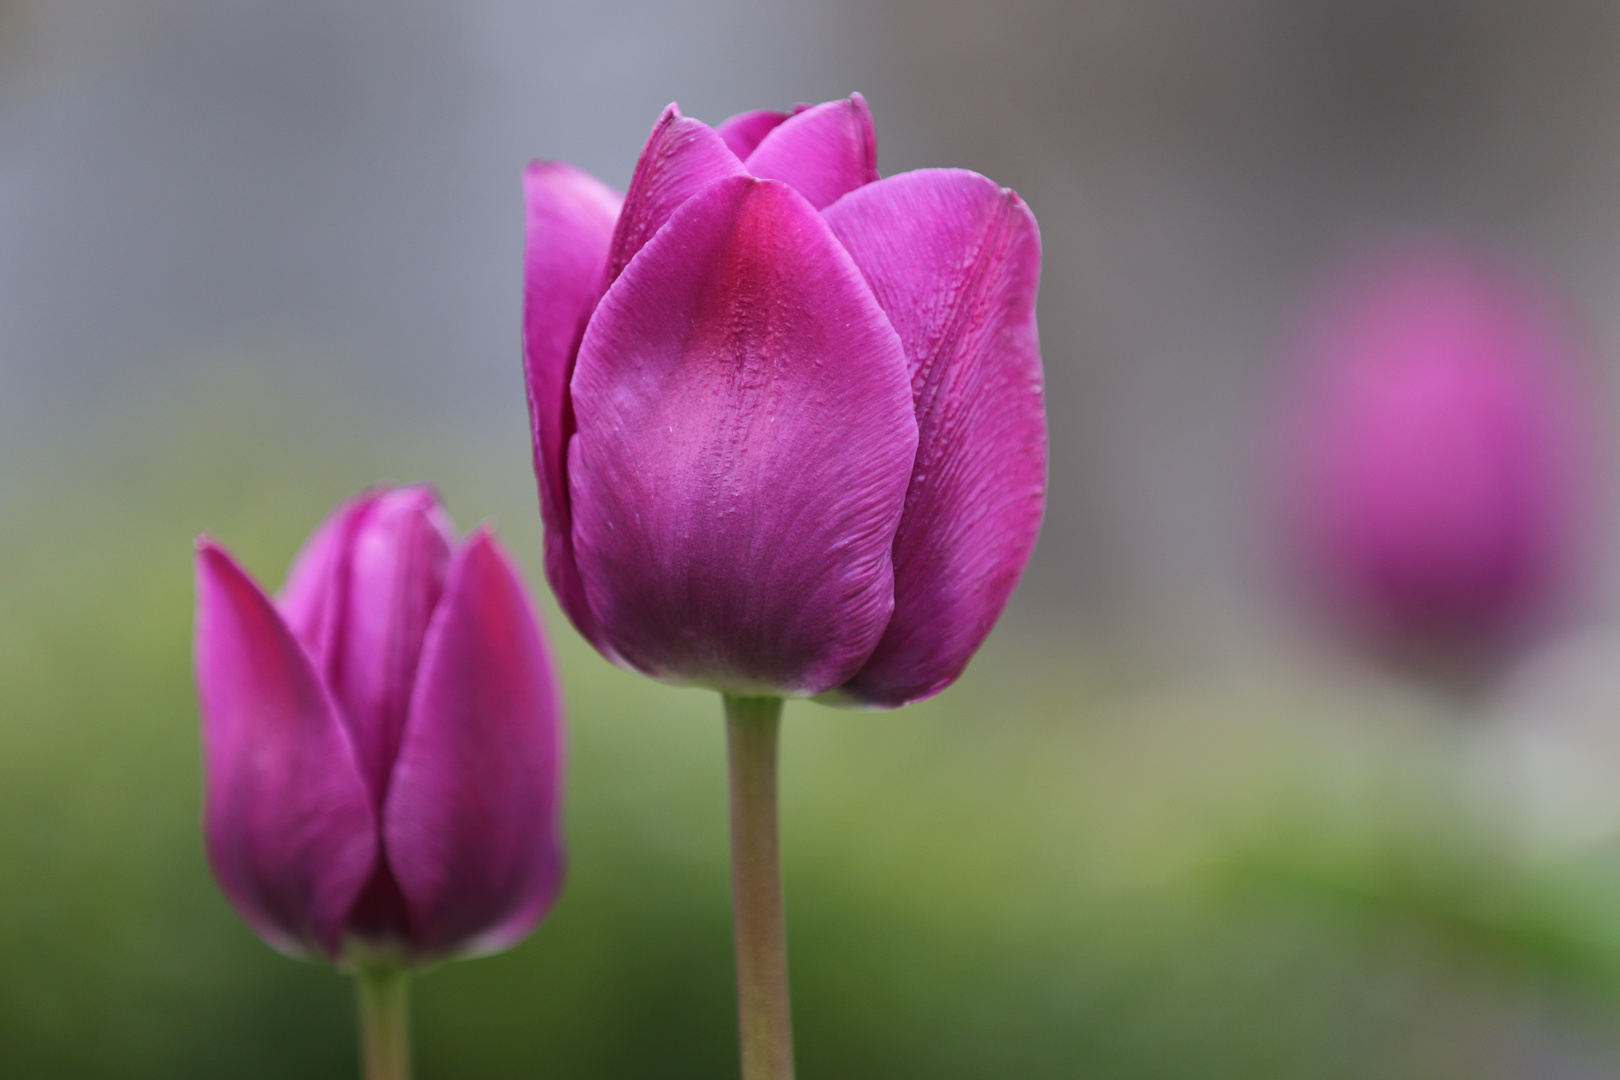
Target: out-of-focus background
x: 256, y: 254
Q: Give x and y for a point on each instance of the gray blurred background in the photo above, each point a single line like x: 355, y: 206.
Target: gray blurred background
x: 255, y: 254
x: 296, y: 185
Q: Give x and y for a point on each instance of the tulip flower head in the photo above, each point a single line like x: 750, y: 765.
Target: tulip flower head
x: 1436, y: 457
x: 787, y: 416
x: 383, y: 744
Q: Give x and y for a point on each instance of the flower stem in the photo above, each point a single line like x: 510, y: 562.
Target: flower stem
x: 752, y: 726
x: 385, y: 1023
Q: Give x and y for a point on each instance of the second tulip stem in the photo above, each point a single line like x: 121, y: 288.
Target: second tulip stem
x: 385, y: 1023
x: 752, y: 727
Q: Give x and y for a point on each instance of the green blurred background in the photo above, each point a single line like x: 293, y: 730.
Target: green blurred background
x: 257, y: 255
x: 1046, y: 872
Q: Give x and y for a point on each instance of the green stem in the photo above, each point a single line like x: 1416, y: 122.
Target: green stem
x: 385, y: 1023
x: 752, y: 726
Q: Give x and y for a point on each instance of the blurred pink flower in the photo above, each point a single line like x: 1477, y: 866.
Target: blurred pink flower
x: 382, y: 746
x: 787, y: 416
x: 1437, y: 453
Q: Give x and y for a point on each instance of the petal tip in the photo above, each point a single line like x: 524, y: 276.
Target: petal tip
x: 482, y: 538
x: 214, y: 557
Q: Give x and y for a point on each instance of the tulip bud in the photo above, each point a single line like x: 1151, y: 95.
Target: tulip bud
x: 788, y: 417
x: 1435, y: 453
x: 383, y: 746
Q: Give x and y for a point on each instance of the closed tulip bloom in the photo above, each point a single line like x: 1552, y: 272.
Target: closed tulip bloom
x: 383, y: 744
x: 1436, y: 442
x: 790, y: 438
x: 787, y: 415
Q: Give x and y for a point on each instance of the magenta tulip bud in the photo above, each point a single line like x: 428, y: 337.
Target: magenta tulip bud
x: 787, y: 416
x: 1438, y: 442
x: 382, y: 746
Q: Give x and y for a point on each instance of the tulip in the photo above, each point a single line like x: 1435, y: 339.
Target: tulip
x: 382, y: 749
x: 1436, y: 449
x: 788, y: 429
x: 787, y: 417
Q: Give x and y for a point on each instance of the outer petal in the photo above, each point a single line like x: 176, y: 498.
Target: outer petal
x: 398, y: 555
x: 289, y: 826
x: 955, y: 261
x: 823, y: 151
x: 570, y: 224
x: 681, y: 158
x: 471, y: 827
x: 744, y: 131
x: 745, y: 440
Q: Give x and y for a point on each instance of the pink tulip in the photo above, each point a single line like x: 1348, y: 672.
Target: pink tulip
x: 787, y: 416
x: 383, y: 745
x: 1437, y: 476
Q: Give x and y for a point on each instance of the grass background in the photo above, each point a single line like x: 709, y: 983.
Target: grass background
x: 1045, y: 872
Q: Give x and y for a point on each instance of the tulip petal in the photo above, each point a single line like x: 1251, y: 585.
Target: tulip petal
x: 681, y: 158
x: 824, y: 151
x: 398, y: 554
x: 955, y: 262
x: 745, y: 436
x: 744, y: 131
x: 471, y: 823
x: 311, y: 599
x: 571, y: 216
x: 289, y: 826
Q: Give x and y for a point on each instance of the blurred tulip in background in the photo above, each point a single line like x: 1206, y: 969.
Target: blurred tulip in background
x: 1434, y: 455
